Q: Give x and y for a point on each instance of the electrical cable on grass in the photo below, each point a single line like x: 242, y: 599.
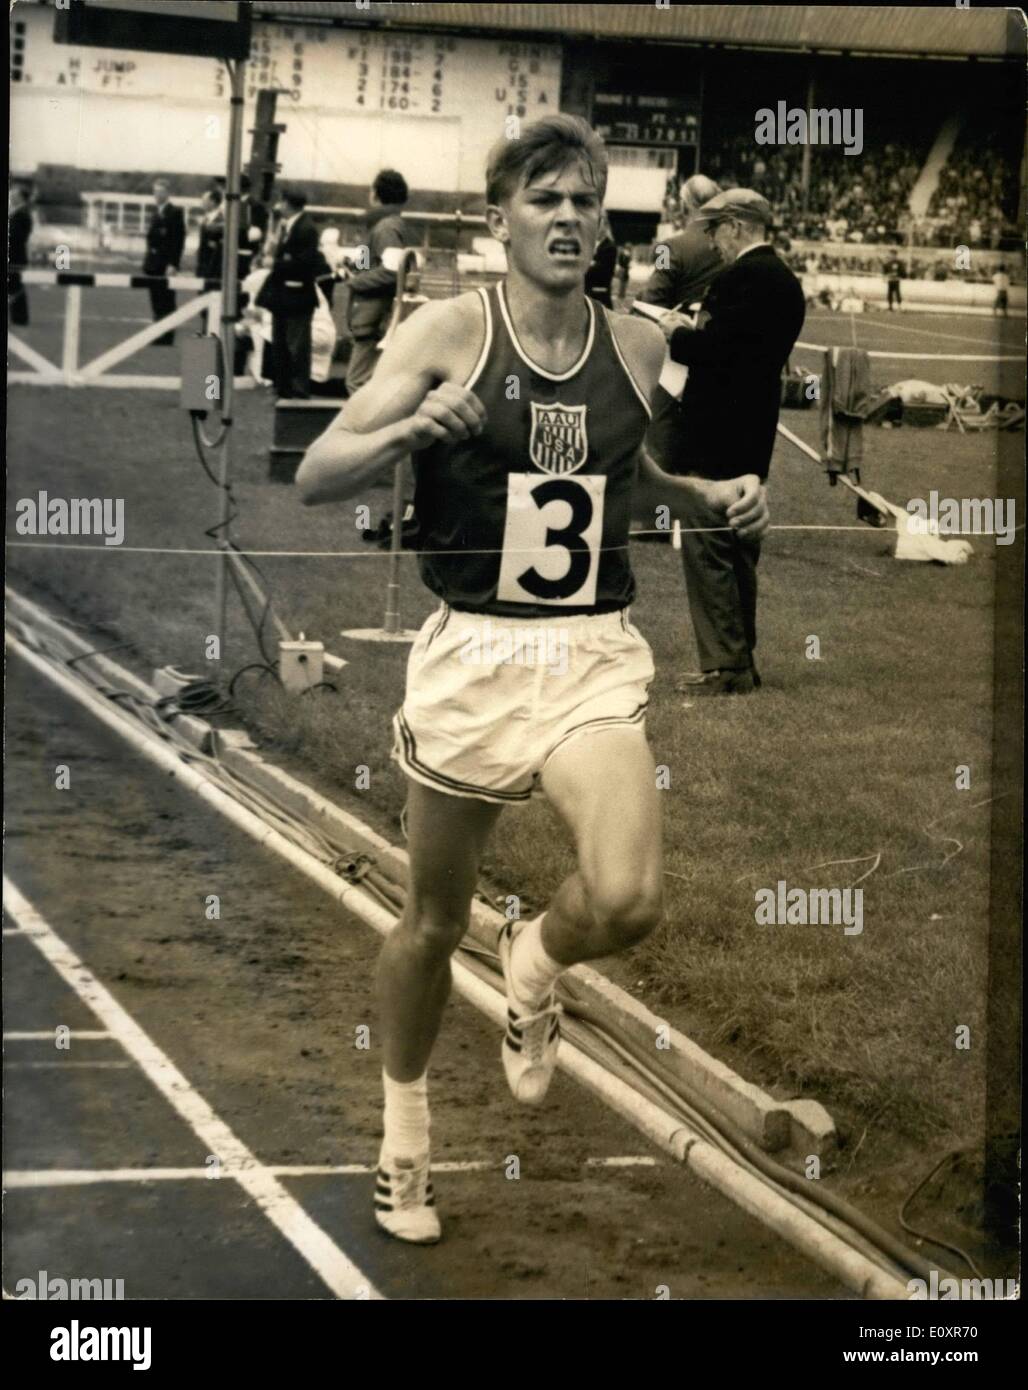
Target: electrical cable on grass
x: 251, y: 666
x: 927, y: 1236
x: 226, y: 541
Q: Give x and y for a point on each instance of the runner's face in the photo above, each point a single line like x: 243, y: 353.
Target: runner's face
x: 553, y: 225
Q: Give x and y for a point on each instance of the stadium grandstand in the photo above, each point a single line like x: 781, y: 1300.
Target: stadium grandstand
x: 941, y: 94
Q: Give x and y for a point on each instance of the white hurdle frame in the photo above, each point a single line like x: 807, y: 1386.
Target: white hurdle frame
x: 96, y: 372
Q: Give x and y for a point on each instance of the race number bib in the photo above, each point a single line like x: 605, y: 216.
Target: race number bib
x: 551, y: 538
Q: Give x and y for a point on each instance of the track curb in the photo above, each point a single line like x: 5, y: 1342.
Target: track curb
x: 792, y: 1128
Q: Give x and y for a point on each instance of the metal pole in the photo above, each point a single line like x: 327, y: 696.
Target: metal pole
x: 456, y: 254
x: 229, y: 310
x: 697, y: 167
x: 392, y: 613
x: 805, y: 157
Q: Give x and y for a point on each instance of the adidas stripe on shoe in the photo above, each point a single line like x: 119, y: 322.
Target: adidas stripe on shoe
x: 532, y: 1039
x: 405, y: 1201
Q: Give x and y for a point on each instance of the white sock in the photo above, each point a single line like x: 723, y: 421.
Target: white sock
x: 533, y: 970
x: 406, y: 1117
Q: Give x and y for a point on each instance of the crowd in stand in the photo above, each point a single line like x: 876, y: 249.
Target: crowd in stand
x: 860, y: 199
x: 977, y: 193
x: 864, y: 199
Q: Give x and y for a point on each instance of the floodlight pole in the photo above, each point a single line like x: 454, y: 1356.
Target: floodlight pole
x: 229, y: 313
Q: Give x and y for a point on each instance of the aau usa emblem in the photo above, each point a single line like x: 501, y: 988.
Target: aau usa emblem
x: 558, y: 443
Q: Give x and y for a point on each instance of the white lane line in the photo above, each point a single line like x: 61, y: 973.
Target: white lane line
x: 20, y: 1178
x: 640, y: 1162
x: 39, y: 1066
x: 338, y: 1272
x: 83, y: 1177
x: 12, y: 931
x: 921, y: 332
x: 74, y: 1035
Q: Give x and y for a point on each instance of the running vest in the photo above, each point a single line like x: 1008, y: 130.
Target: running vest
x: 531, y: 517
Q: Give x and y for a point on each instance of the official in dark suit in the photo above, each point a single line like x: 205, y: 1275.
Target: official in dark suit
x: 165, y: 241
x: 212, y: 236
x: 288, y: 293
x: 684, y: 267
x: 600, y: 275
x: 253, y: 228
x: 893, y: 272
x: 19, y: 229
x: 725, y: 427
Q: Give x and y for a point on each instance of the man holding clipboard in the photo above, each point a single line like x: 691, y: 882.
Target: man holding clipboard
x: 724, y: 422
x: 691, y: 264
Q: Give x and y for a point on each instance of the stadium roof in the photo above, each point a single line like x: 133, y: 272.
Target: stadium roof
x: 943, y: 31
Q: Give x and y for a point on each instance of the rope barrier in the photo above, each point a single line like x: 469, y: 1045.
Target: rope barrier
x: 374, y: 554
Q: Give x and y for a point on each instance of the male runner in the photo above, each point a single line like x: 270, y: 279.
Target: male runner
x: 524, y: 407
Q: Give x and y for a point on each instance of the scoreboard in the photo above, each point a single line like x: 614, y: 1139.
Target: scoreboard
x: 632, y: 118
x: 217, y: 27
x: 422, y: 74
x: 326, y: 69
x: 355, y: 100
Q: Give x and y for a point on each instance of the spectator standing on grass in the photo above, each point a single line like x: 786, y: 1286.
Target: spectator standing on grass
x: 165, y: 242
x: 289, y: 294
x: 253, y: 228
x: 212, y: 236
x: 1001, y: 284
x: 19, y: 230
x: 600, y: 275
x: 623, y: 271
x: 735, y: 352
x: 893, y: 271
x: 373, y: 290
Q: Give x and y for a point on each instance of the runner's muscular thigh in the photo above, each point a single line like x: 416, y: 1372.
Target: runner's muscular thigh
x: 603, y: 786
x: 446, y: 836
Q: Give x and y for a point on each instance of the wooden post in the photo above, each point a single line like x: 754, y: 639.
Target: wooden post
x: 72, y: 328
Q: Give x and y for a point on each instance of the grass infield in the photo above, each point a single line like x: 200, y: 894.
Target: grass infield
x: 845, y: 758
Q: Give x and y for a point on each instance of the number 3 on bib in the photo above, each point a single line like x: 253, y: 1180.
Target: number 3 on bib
x: 551, y: 539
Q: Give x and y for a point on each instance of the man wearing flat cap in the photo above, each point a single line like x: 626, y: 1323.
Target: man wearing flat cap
x: 724, y: 424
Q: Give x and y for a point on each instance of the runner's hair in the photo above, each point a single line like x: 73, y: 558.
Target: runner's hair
x: 547, y: 145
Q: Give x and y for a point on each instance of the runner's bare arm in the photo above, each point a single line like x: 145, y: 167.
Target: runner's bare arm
x: 742, y: 501
x: 409, y: 404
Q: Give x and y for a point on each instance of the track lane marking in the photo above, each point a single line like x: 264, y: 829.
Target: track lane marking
x: 329, y: 1262
x: 908, y: 328
x: 22, y: 1178
x: 73, y: 1035
x: 41, y: 1066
